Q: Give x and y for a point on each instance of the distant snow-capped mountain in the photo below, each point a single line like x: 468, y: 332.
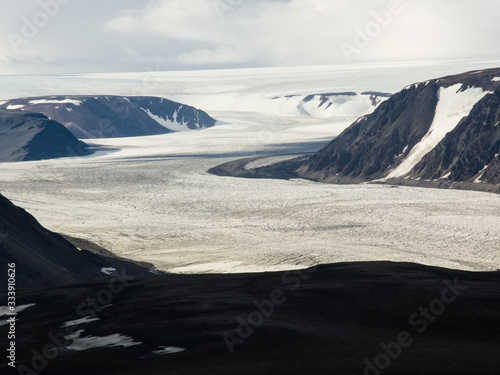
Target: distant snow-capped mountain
x: 32, y: 136
x: 443, y: 130
x: 115, y: 116
x: 335, y: 104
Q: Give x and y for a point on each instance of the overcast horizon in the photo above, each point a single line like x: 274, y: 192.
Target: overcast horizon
x: 62, y: 36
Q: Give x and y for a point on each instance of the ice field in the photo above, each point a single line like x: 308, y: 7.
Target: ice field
x: 151, y: 198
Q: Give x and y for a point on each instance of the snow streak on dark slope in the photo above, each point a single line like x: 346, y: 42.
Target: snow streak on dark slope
x: 443, y: 130
x: 366, y: 149
x: 32, y: 136
x: 470, y: 152
x: 44, y: 258
x: 115, y: 116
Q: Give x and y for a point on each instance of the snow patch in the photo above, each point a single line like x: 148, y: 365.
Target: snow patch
x: 15, y: 106
x: 168, y: 350
x: 108, y: 271
x: 111, y: 341
x: 5, y: 310
x: 495, y: 79
x: 402, y: 152
x: 453, y: 105
x: 55, y: 101
x: 171, y: 125
x: 481, y: 173
x: 5, y: 322
x: 85, y: 320
x: 413, y: 85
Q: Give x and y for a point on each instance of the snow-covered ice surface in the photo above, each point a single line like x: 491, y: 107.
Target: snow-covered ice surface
x: 453, y: 105
x: 152, y: 199
x: 88, y: 342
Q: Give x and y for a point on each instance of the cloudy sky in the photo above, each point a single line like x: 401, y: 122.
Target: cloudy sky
x: 78, y: 36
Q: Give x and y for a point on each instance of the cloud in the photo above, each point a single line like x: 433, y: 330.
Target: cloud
x: 238, y: 31
x: 222, y: 55
x: 188, y: 20
x: 307, y: 32
x: 129, y: 35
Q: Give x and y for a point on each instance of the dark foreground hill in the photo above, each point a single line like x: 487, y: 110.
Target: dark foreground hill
x: 32, y: 136
x: 44, y: 258
x: 115, y: 116
x: 343, y: 319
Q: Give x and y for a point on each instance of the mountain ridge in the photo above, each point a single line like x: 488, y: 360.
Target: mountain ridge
x: 28, y: 136
x: 399, y: 141
x: 111, y: 116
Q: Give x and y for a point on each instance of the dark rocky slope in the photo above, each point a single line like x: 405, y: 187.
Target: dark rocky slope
x: 377, y: 144
x: 366, y: 149
x: 31, y: 136
x: 44, y: 258
x: 328, y: 320
x: 115, y: 116
x: 471, y: 151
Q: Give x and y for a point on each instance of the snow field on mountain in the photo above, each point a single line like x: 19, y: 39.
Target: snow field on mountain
x: 453, y: 105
